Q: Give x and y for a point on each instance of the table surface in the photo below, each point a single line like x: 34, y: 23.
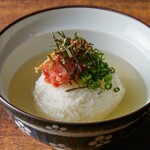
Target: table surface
x: 12, y: 138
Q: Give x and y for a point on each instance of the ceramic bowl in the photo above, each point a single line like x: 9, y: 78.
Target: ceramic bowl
x: 115, y: 32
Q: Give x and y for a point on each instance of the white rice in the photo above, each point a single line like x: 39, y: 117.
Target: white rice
x: 82, y: 105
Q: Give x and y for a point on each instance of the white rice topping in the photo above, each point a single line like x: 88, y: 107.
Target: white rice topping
x: 82, y: 105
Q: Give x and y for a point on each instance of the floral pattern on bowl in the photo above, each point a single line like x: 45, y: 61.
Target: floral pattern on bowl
x: 60, y: 146
x: 56, y: 128
x: 101, y: 140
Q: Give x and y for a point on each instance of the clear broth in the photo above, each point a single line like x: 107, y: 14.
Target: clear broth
x: 21, y: 87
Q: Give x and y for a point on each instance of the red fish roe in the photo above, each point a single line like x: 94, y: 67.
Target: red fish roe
x: 58, y: 74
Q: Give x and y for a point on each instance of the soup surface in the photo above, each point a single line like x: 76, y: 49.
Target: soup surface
x: 22, y: 85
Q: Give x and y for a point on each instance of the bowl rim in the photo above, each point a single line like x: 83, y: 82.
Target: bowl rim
x: 71, y: 6
x: 8, y: 105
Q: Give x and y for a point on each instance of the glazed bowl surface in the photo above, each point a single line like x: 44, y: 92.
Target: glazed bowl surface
x: 114, y: 32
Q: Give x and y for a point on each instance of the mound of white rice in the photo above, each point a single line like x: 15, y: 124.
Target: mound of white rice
x: 82, y: 105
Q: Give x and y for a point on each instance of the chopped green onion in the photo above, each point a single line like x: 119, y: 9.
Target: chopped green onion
x: 112, y: 70
x: 88, y: 76
x: 108, y: 86
x: 108, y: 78
x: 116, y: 89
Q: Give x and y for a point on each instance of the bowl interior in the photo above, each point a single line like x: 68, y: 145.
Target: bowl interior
x: 112, y: 32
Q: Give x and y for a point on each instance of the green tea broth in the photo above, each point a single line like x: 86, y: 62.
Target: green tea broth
x: 135, y: 89
x: 21, y: 87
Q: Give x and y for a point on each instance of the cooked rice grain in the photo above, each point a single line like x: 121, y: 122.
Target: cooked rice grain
x: 82, y: 105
